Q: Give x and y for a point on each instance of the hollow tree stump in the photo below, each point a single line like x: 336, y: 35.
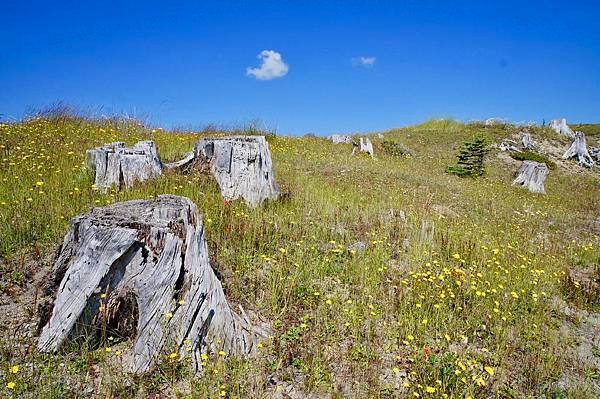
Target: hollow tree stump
x: 146, y: 258
x: 579, y: 149
x: 116, y: 165
x: 241, y: 165
x: 532, y: 176
x: 560, y: 126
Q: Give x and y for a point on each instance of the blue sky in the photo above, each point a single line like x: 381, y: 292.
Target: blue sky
x: 185, y: 63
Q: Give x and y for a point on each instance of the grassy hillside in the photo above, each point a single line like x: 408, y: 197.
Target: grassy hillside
x: 590, y: 129
x: 462, y: 298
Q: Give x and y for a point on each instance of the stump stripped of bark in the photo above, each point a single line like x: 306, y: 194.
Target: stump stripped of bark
x: 527, y: 141
x: 241, y: 165
x: 365, y: 146
x: 560, y: 126
x: 117, y: 165
x: 151, y: 254
x: 532, y: 176
x: 579, y: 149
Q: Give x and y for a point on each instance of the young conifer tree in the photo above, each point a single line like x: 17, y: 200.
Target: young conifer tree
x: 471, y: 158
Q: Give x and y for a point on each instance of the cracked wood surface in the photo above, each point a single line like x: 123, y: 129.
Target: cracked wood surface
x: 156, y: 251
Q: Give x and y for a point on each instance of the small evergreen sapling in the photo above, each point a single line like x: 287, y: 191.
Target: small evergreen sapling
x: 470, y: 158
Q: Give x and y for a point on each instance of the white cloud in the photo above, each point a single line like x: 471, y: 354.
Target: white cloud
x: 366, y: 62
x: 272, y: 66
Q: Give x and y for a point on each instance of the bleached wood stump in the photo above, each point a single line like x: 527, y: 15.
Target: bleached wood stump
x: 527, y: 142
x: 579, y: 150
x: 560, y: 126
x: 532, y: 175
x: 116, y: 165
x: 241, y: 165
x: 146, y: 258
x: 364, y: 145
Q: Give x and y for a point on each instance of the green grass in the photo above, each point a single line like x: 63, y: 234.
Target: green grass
x: 591, y: 130
x: 533, y: 156
x: 475, y: 296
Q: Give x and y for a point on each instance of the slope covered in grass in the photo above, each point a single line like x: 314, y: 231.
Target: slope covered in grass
x: 460, y: 297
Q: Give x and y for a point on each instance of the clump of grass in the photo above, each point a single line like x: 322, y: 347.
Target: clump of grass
x: 394, y: 148
x: 471, y: 158
x: 533, y: 156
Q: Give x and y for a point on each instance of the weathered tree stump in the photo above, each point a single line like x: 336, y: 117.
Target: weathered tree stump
x: 116, y: 165
x: 364, y: 145
x: 241, y: 165
x: 560, y: 126
x: 150, y: 259
x: 340, y: 139
x: 532, y: 176
x: 527, y: 142
x: 579, y: 149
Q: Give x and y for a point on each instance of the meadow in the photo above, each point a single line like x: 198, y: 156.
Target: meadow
x: 465, y: 287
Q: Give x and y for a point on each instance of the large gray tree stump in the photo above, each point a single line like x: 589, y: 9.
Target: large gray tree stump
x: 146, y: 258
x: 532, y: 176
x: 579, y: 149
x: 116, y: 165
x: 560, y: 126
x: 241, y: 165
